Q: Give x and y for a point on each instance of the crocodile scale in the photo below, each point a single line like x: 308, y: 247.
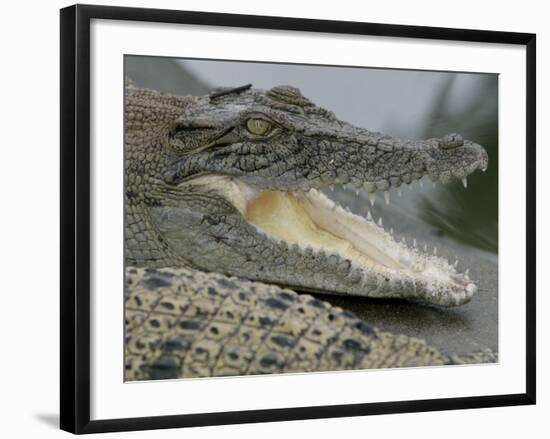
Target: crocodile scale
x: 185, y: 323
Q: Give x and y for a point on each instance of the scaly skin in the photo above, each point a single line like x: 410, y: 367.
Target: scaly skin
x: 194, y: 168
x: 183, y: 323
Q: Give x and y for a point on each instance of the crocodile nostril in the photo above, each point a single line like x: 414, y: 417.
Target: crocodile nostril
x: 451, y: 141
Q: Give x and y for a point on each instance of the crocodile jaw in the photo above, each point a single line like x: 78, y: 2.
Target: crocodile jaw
x: 311, y: 222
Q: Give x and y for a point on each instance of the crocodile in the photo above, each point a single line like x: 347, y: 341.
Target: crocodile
x: 227, y: 212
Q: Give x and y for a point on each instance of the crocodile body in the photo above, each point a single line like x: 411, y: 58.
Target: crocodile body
x: 185, y: 323
x: 224, y: 209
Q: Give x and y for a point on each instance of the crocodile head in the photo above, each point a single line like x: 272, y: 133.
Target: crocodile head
x: 234, y: 182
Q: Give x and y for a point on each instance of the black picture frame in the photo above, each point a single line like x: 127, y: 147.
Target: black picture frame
x: 75, y: 217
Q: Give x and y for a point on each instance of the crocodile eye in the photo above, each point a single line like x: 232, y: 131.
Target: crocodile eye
x: 259, y: 127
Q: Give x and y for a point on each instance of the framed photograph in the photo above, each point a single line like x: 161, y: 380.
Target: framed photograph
x: 272, y: 218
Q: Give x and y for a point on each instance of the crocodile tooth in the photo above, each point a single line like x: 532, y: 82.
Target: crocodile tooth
x: 467, y: 273
x: 383, y: 185
x: 414, y: 243
x: 445, y: 177
x: 369, y: 216
x: 421, y: 183
x: 331, y: 188
x: 391, y: 231
x: 465, y: 182
x: 387, y: 196
x: 372, y: 198
x: 435, y: 251
x: 370, y: 187
x: 356, y: 192
x: 456, y: 263
x: 425, y: 248
x: 380, y: 222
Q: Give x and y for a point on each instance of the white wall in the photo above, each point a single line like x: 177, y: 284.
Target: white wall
x: 29, y: 217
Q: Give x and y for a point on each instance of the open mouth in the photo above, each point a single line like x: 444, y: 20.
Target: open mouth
x: 313, y: 222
